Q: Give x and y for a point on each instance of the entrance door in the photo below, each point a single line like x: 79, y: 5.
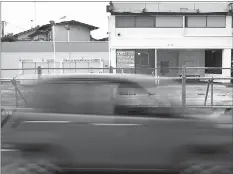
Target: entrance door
x: 144, y: 62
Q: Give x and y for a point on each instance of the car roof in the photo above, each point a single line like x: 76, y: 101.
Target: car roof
x: 131, y: 78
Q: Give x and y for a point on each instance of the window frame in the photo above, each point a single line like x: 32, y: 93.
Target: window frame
x: 154, y: 21
x: 206, y: 21
x: 134, y: 21
x: 186, y: 21
x: 168, y: 16
x: 216, y: 16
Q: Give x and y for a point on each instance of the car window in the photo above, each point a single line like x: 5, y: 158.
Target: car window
x: 131, y: 89
x: 79, y: 97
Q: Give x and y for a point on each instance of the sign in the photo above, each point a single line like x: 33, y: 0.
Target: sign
x: 125, y: 59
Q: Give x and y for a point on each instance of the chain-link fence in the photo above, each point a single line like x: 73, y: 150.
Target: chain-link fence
x: 190, y: 85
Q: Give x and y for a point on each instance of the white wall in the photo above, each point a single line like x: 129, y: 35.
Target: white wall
x: 77, y: 33
x: 171, y: 38
x: 170, y: 6
x: 12, y: 60
x: 194, y: 39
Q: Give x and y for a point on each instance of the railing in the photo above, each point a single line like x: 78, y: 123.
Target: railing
x: 209, y: 86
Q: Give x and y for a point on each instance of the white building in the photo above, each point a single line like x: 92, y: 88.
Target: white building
x: 171, y: 34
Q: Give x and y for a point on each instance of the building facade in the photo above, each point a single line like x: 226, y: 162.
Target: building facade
x: 166, y: 35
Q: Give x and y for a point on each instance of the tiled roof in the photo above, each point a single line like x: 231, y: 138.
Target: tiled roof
x: 46, y: 27
x: 27, y: 31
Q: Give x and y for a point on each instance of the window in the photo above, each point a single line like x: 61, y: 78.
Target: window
x: 149, y: 21
x: 125, y: 21
x: 213, y: 58
x: 216, y: 21
x: 169, y: 21
x: 74, y: 96
x: 205, y: 21
x: 145, y: 21
x: 195, y: 21
x: 131, y: 89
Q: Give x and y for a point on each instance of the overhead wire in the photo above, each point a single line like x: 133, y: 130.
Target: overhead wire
x: 14, y: 25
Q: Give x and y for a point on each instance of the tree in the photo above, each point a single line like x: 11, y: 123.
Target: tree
x: 8, y: 38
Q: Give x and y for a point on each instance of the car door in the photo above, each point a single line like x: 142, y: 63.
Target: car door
x: 148, y: 140
x: 89, y: 136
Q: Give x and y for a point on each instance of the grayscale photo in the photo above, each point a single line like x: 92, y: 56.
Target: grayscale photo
x: 116, y: 87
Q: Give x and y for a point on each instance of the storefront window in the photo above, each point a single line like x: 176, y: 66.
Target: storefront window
x: 125, y: 61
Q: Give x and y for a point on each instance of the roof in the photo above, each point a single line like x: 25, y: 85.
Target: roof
x: 105, y: 76
x: 71, y: 22
x: 47, y: 27
x: 143, y: 80
x: 91, y: 27
x: 27, y: 31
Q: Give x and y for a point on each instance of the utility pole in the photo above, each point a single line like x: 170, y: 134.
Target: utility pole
x: 3, y: 28
x: 35, y: 23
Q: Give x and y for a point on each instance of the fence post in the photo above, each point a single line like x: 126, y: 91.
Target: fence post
x: 16, y: 92
x: 184, y: 86
x: 207, y: 92
x: 39, y: 71
x: 212, y: 91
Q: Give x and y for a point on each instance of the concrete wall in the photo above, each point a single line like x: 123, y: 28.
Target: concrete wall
x: 91, y: 46
x: 14, y: 53
x: 14, y: 60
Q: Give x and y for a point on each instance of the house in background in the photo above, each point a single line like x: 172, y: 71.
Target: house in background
x: 75, y: 48
x: 64, y: 31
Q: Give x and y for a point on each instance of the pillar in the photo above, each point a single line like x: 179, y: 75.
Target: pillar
x: 156, y: 66
x: 226, y: 63
x: 156, y: 59
x: 112, y: 59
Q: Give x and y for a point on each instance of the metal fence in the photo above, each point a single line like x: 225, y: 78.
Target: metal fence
x: 193, y: 86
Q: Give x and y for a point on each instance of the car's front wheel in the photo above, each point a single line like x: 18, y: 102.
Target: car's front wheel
x: 206, y: 166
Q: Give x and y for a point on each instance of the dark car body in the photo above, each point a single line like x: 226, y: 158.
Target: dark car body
x: 84, y: 123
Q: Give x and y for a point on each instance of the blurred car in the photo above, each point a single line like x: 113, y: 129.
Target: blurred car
x: 94, y: 122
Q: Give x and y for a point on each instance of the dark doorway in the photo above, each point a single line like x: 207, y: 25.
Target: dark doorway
x: 144, y: 61
x: 213, y: 58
